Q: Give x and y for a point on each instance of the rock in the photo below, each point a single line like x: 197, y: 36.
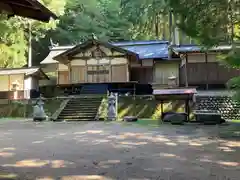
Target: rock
x: 130, y: 119
x: 175, y: 118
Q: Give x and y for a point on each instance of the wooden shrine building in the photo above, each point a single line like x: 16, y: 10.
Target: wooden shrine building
x: 149, y: 63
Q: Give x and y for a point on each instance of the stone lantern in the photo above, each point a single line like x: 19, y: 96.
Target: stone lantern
x: 172, y: 81
x: 112, y: 107
x: 15, y: 88
x: 38, y: 110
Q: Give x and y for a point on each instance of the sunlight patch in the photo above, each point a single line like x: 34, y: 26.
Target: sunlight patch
x: 195, y: 144
x: 232, y: 144
x: 8, y: 176
x: 84, y: 178
x: 38, y: 142
x: 226, y: 163
x: 94, y: 131
x: 171, y: 144
x: 6, y: 154
x: 226, y: 149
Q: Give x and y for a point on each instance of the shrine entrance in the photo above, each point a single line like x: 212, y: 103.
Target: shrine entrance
x: 98, y: 73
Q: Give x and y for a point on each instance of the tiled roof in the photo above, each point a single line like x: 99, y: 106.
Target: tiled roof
x: 153, y: 49
x: 146, y: 49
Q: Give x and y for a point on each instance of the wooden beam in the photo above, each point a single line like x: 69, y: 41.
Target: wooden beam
x: 206, y: 62
x: 9, y: 83
x: 86, y: 58
x: 186, y: 70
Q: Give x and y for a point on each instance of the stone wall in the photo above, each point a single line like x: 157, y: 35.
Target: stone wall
x: 229, y: 108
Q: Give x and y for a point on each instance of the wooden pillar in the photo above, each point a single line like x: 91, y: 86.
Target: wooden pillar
x: 206, y: 63
x: 69, y: 73
x: 162, y: 109
x: 187, y: 108
x: 86, y: 72
x: 186, y: 70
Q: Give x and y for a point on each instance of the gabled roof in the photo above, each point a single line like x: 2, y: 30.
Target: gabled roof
x: 54, y: 51
x: 195, y: 48
x: 81, y: 47
x: 27, y: 8
x: 33, y: 71
x: 146, y: 49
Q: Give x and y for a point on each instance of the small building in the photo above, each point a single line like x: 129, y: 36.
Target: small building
x: 15, y: 82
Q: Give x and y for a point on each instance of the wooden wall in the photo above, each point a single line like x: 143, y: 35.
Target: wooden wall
x: 63, y: 74
x: 200, y: 71
x: 211, y: 73
x: 83, y: 68
x: 163, y: 70
x: 8, y: 80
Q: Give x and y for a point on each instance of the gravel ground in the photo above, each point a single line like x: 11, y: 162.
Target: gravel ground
x: 98, y: 150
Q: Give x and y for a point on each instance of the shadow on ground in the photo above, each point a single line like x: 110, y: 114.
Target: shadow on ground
x: 99, y: 150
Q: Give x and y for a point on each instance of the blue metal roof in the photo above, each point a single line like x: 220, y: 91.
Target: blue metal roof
x: 196, y: 48
x: 132, y: 43
x: 146, y: 49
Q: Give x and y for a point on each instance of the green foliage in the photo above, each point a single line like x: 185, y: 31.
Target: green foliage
x: 209, y: 21
x: 212, y: 22
x: 14, y: 35
x: 234, y: 84
x: 82, y: 19
x: 12, y: 42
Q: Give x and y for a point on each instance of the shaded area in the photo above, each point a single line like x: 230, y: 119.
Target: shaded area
x: 100, y: 150
x: 24, y: 108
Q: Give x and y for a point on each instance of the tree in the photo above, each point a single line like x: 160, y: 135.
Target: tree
x: 83, y: 18
x: 14, y: 35
x: 212, y: 22
x: 152, y: 19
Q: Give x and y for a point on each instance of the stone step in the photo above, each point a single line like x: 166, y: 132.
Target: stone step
x: 82, y: 104
x: 82, y: 107
x: 85, y: 110
x: 75, y: 120
x: 85, y: 101
x: 78, y: 114
x: 76, y: 117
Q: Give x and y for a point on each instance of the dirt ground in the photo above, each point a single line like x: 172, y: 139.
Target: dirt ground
x: 98, y: 150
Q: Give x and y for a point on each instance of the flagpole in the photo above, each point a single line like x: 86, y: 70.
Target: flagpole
x: 29, y: 80
x: 30, y: 44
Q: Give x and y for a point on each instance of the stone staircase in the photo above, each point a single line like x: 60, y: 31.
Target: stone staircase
x: 81, y: 109
x: 94, y: 89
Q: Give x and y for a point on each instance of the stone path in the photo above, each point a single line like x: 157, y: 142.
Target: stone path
x: 98, y: 150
